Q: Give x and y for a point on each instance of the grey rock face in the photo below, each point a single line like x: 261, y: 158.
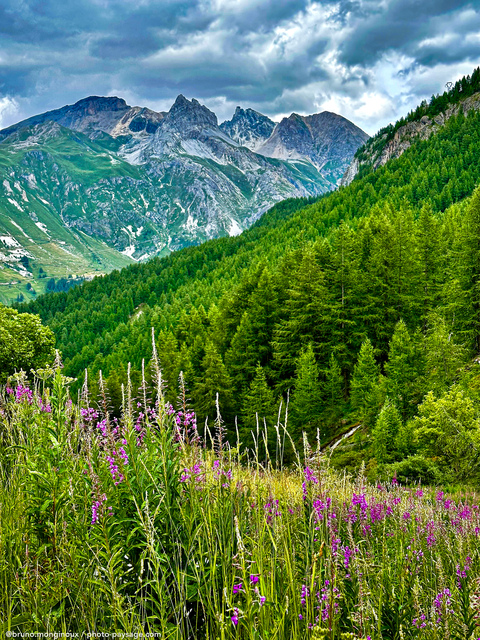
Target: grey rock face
x: 93, y: 115
x: 324, y: 139
x: 249, y: 128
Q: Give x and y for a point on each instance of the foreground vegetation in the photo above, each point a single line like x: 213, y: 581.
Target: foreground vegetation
x: 134, y: 525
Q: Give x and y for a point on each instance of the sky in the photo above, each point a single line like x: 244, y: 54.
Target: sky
x: 371, y: 61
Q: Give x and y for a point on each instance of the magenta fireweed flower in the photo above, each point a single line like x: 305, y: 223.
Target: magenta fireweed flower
x: 420, y: 621
x: 195, y: 473
x: 234, y: 618
x: 327, y: 598
x: 89, y: 415
x: 442, y: 604
x: 465, y: 513
x: 439, y: 496
x: 311, y: 478
x: 462, y: 573
x: 237, y: 588
x: 377, y: 512
x: 96, y: 506
x: 223, y: 475
x: 336, y: 542
x: 23, y: 393
x: 361, y: 502
x: 320, y: 507
x: 123, y: 454
x: 271, y: 510
x: 254, y: 579
x: 305, y: 593
x: 117, y: 476
x: 347, y: 556
x: 44, y: 408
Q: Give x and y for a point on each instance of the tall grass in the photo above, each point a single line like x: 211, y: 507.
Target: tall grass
x: 135, y: 525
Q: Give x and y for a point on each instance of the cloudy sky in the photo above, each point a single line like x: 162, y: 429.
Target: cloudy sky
x: 368, y: 60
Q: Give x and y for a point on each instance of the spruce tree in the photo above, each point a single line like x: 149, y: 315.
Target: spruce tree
x: 333, y: 390
x: 215, y: 379
x: 443, y: 357
x: 385, y: 432
x: 470, y: 243
x: 258, y: 407
x: 404, y: 370
x: 306, y: 404
x: 364, y: 384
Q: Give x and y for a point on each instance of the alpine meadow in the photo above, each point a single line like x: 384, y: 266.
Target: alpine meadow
x: 267, y: 427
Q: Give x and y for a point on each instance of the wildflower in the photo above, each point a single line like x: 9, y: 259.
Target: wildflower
x: 442, y: 603
x: 123, y: 454
x: 96, y: 506
x: 462, y: 573
x: 237, y: 588
x: 254, y: 579
x: 234, y: 618
x: 304, y: 595
x: 22, y: 392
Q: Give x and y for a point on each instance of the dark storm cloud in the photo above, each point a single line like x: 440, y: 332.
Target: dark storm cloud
x: 402, y: 26
x: 276, y: 55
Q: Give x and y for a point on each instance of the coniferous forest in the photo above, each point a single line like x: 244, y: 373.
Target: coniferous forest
x: 273, y: 435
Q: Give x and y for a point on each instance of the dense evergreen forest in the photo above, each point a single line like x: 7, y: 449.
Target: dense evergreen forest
x: 360, y: 307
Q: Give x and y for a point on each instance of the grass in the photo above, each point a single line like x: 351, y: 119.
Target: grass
x: 134, y: 525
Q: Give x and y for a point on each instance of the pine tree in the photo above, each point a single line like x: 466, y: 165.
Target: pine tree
x: 443, y: 357
x: 306, y: 404
x: 364, y: 384
x: 385, y: 432
x: 470, y: 276
x: 429, y: 260
x: 215, y: 379
x: 404, y: 371
x: 307, y: 317
x: 258, y: 407
x: 333, y: 390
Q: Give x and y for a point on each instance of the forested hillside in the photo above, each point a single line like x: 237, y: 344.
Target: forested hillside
x: 361, y: 306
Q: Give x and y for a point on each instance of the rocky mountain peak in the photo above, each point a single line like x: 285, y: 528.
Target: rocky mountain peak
x: 248, y: 127
x: 320, y: 138
x: 191, y: 112
x: 97, y: 104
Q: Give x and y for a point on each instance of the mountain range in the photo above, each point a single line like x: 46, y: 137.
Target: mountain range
x: 93, y: 186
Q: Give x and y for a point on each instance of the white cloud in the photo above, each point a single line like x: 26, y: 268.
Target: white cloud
x: 8, y: 111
